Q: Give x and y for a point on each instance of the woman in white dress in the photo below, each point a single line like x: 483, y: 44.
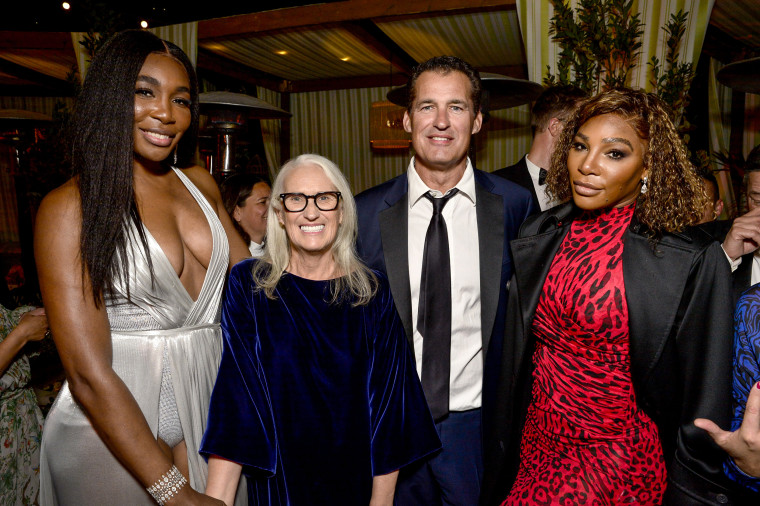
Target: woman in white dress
x: 132, y: 254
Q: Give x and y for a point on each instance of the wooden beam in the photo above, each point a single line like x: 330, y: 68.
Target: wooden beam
x: 60, y: 41
x: 340, y: 83
x: 31, y: 90
x: 213, y: 63
x: 55, y: 85
x: 334, y: 12
x: 374, y: 38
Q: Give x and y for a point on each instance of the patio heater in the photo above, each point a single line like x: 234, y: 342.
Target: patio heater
x: 228, y: 114
x: 498, y: 92
x: 743, y: 75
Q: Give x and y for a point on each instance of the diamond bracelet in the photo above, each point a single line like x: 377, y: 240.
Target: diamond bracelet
x: 167, y: 486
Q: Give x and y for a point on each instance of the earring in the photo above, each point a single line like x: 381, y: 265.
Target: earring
x: 175, y: 156
x: 644, y: 185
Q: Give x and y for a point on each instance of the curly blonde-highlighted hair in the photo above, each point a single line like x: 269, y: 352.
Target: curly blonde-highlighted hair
x: 675, y: 194
x: 356, y: 282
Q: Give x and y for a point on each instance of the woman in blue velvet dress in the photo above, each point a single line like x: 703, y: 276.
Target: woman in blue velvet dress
x: 317, y: 400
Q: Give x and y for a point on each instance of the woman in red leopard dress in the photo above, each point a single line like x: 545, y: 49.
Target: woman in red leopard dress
x: 621, y: 320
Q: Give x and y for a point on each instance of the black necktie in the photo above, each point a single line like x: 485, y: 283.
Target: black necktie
x: 434, y: 313
x: 541, y: 177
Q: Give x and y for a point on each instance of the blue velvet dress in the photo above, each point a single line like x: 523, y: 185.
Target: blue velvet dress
x: 312, y: 398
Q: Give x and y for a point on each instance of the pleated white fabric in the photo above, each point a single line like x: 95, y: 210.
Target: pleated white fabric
x: 76, y: 467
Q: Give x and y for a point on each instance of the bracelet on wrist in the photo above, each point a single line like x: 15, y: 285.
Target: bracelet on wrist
x: 167, y: 486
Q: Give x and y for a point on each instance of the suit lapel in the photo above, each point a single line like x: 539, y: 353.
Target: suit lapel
x: 393, y: 234
x: 532, y: 257
x: 490, y: 217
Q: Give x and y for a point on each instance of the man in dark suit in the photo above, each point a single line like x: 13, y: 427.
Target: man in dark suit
x: 456, y: 338
x: 549, y: 113
x: 743, y: 239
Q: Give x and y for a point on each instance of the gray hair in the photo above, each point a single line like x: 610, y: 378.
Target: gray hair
x: 356, y: 280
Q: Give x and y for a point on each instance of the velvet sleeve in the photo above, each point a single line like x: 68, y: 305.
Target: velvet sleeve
x: 240, y: 425
x: 402, y: 427
x: 746, y: 371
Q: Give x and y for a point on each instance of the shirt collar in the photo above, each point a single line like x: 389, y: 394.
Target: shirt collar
x: 533, y: 169
x: 417, y: 188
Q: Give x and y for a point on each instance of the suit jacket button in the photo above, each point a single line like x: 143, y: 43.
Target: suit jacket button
x: 721, y: 498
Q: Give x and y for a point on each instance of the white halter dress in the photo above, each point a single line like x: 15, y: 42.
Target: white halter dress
x: 158, y: 328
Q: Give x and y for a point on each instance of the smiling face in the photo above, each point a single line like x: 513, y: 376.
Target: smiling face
x: 606, y: 163
x: 162, y: 107
x: 441, y: 121
x: 311, y: 232
x: 252, y: 215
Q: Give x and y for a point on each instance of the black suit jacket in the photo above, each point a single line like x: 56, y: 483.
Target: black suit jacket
x: 681, y: 327
x: 501, y: 207
x: 518, y: 173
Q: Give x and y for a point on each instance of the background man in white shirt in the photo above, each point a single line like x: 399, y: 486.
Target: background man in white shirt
x: 743, y: 239
x: 548, y: 115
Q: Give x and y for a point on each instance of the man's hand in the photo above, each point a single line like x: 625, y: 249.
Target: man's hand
x: 744, y: 236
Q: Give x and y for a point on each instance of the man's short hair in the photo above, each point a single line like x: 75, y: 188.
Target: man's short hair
x: 444, y: 65
x: 555, y: 102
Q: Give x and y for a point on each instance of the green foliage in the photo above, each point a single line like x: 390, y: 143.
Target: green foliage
x: 599, y: 48
x: 601, y: 42
x: 672, y: 80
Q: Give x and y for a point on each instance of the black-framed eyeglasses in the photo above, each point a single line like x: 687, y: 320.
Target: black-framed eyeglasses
x: 297, y: 202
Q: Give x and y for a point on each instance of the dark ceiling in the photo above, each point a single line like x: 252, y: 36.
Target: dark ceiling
x: 83, y: 15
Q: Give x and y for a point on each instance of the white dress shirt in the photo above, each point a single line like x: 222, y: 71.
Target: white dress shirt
x: 256, y: 249
x: 543, y: 199
x: 466, y: 376
x: 754, y: 276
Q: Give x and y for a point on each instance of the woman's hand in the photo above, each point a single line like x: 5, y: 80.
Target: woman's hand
x: 31, y: 327
x: 188, y: 496
x: 743, y: 445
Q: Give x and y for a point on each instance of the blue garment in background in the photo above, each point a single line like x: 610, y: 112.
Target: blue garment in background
x: 312, y: 398
x: 746, y: 370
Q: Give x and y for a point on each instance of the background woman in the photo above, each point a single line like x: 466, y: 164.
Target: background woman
x: 620, y: 315
x: 132, y: 255
x: 20, y: 416
x: 246, y: 199
x: 317, y: 399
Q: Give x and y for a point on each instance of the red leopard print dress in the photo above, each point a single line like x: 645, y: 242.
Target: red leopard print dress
x: 585, y: 441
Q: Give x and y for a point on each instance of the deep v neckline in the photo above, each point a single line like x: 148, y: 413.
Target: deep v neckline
x: 161, y: 256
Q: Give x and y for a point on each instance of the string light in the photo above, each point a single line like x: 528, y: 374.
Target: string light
x: 345, y: 58
x: 66, y: 6
x: 282, y: 52
x: 144, y: 24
